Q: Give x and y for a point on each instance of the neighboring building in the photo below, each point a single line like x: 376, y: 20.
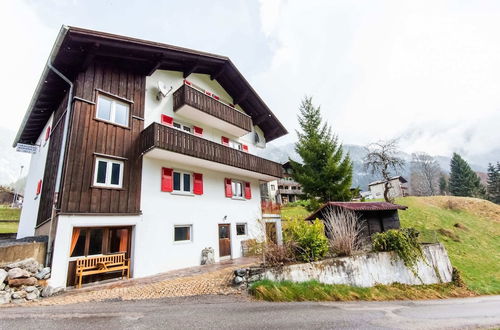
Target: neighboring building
x: 9, y: 197
x: 158, y: 160
x: 285, y: 190
x: 398, y: 188
x: 375, y: 217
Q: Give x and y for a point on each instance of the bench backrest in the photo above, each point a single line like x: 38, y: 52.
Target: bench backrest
x: 90, y: 262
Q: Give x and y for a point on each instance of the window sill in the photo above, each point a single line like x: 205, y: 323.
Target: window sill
x: 106, y: 187
x: 111, y: 123
x: 238, y: 198
x: 183, y: 242
x: 181, y: 193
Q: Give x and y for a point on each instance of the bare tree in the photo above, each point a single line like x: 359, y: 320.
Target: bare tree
x: 425, y: 173
x: 343, y: 231
x: 381, y: 159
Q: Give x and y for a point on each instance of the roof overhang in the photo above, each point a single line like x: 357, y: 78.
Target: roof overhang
x: 358, y: 207
x: 75, y: 49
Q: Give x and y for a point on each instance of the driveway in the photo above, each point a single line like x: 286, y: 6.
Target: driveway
x: 239, y: 312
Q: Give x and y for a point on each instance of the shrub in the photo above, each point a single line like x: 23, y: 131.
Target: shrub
x: 404, y: 242
x: 313, y: 204
x: 275, y: 254
x: 302, y: 202
x: 344, y: 231
x: 308, y: 240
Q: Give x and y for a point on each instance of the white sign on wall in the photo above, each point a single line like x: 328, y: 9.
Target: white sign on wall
x: 28, y: 148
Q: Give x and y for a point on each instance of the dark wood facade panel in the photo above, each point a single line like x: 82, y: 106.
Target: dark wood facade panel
x: 171, y: 139
x: 90, y: 136
x: 50, y: 173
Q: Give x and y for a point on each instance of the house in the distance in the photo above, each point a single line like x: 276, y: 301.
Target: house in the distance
x: 398, y: 188
x: 145, y: 149
x: 285, y: 190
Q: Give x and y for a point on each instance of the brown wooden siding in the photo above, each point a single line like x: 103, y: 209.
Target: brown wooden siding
x: 90, y: 136
x: 186, y: 95
x: 168, y: 138
x: 50, y: 173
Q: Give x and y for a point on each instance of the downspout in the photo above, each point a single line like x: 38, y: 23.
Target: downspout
x: 67, y: 114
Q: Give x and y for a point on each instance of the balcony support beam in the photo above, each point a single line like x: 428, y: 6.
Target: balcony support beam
x: 240, y: 98
x: 218, y: 73
x: 190, y: 69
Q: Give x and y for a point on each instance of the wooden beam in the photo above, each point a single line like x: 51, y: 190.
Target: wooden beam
x: 261, y: 119
x: 190, y: 69
x: 89, y: 57
x: 217, y: 74
x: 155, y: 64
x: 241, y: 97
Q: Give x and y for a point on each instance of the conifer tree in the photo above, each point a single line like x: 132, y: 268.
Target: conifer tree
x: 325, y: 172
x: 463, y: 180
x: 493, y: 189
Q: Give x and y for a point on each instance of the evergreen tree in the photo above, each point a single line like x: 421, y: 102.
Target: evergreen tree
x: 443, y: 185
x: 326, y: 173
x: 463, y: 180
x: 493, y: 189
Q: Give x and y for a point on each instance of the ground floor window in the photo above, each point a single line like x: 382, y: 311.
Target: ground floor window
x: 182, y: 233
x: 241, y: 229
x: 87, y: 241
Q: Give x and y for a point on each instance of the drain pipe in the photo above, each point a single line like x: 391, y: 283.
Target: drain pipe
x: 67, y: 114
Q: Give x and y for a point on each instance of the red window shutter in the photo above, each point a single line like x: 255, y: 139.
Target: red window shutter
x: 39, y: 187
x: 215, y: 97
x: 167, y: 120
x: 231, y: 105
x: 245, y: 147
x: 248, y: 191
x: 208, y: 93
x: 229, y: 189
x: 167, y: 183
x: 47, y: 133
x: 225, y: 141
x: 187, y: 82
x: 198, y: 184
x: 198, y: 130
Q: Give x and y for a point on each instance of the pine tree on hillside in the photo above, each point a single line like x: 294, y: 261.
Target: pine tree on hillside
x: 463, y: 180
x: 326, y: 173
x: 493, y: 189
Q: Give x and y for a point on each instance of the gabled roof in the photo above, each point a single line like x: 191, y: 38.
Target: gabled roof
x: 358, y: 206
x: 76, y: 48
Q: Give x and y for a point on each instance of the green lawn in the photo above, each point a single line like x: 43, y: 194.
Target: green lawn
x: 294, y: 212
x: 469, y: 228
x: 7, y: 213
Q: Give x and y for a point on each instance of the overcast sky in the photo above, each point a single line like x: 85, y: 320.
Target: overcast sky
x: 425, y: 71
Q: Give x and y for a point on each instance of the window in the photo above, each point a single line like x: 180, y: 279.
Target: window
x: 182, y: 182
x: 241, y: 229
x: 273, y: 188
x: 237, y: 188
x: 182, y: 233
x: 235, y: 145
x: 95, y: 241
x: 112, y: 110
x: 108, y: 173
x: 182, y: 127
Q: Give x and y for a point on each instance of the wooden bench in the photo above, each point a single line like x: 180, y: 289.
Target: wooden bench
x: 101, y: 264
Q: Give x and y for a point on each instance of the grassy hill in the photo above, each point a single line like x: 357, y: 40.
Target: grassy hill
x: 7, y: 213
x: 468, y: 227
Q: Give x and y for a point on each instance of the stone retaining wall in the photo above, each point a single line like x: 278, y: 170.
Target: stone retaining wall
x: 363, y: 271
x: 16, y: 250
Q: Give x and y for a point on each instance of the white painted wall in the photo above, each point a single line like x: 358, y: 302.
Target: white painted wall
x: 29, y: 213
x: 377, y: 190
x: 369, y: 269
x: 174, y: 79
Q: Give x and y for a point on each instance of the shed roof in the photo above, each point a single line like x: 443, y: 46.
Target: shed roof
x: 75, y: 48
x: 359, y: 206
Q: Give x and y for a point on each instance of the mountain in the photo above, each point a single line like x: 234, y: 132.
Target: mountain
x: 361, y: 177
x: 10, y: 160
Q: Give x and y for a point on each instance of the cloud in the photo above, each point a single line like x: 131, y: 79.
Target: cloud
x: 384, y: 69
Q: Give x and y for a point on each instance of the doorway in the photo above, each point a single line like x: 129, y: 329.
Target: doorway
x: 224, y: 240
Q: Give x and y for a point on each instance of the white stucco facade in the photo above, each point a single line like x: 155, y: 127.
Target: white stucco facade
x: 31, y: 201
x: 153, y: 248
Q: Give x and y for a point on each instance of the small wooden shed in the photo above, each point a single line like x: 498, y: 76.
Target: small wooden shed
x: 376, y: 217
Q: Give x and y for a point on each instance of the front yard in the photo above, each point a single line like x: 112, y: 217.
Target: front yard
x: 12, y: 214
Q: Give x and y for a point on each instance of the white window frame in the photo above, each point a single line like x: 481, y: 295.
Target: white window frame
x: 242, y: 224
x: 233, y: 185
x: 183, y: 127
x: 182, y: 191
x: 190, y: 234
x: 235, y: 145
x: 109, y: 171
x: 112, y: 115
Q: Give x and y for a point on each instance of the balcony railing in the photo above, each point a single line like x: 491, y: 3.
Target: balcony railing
x: 171, y: 139
x: 187, y: 95
x: 290, y: 191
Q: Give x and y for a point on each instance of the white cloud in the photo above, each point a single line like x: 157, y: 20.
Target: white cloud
x: 390, y: 68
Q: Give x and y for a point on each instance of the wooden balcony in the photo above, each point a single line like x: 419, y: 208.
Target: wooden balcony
x: 157, y: 136
x: 192, y: 103
x: 290, y: 191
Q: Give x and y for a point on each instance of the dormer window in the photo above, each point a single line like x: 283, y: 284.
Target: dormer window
x: 112, y: 110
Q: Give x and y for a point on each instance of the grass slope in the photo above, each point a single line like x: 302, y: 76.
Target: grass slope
x: 468, y: 227
x: 7, y: 213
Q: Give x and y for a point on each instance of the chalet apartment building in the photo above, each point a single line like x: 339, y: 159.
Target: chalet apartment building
x: 143, y: 148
